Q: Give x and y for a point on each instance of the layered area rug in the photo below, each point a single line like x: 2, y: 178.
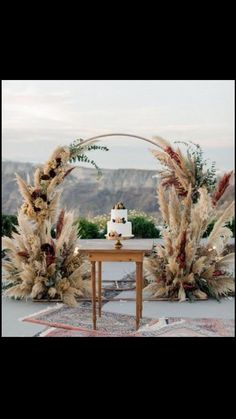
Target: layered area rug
x: 64, y: 321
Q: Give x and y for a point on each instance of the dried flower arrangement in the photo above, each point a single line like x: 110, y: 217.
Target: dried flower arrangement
x: 119, y: 220
x: 184, y: 267
x: 41, y: 264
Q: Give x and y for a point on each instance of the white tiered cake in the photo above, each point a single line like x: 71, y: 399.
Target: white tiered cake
x: 119, y: 224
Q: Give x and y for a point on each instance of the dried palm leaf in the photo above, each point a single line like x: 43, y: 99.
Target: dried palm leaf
x: 161, y: 251
x: 221, y: 240
x: 37, y: 175
x: 28, y: 275
x: 217, y: 229
x: 16, y: 292
x: 55, y: 153
x: 174, y: 211
x: 222, y: 285
x: 8, y: 243
x: 173, y: 266
x: 161, y: 142
x: 208, y: 273
x: 190, y: 252
x: 161, y: 292
x: 68, y: 297
x: 18, y: 240
x: 181, y: 176
x: 163, y: 158
x: 60, y: 224
x: 39, y: 288
x: 163, y: 204
x: 65, y: 232
x: 199, y: 265
x: 52, y: 185
x: 23, y: 188
x: 226, y: 261
x: 52, y: 292
x: 150, y: 290
x: 181, y: 294
x: 24, y: 225
x: 200, y: 294
x: 52, y: 210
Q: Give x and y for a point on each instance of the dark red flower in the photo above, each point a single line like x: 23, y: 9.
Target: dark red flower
x: 68, y: 171
x: 36, y: 194
x: 44, y: 197
x: 50, y: 259
x: 60, y: 224
x: 188, y: 287
x: 45, y: 177
x: 218, y: 273
x: 181, y: 256
x: 173, y: 155
x: 23, y: 254
x: 221, y: 187
x: 58, y: 160
x: 48, y: 249
x: 52, y: 173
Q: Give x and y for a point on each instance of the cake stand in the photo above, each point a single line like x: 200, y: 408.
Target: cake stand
x: 118, y: 243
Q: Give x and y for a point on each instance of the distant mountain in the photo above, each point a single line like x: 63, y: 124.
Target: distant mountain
x: 84, y: 194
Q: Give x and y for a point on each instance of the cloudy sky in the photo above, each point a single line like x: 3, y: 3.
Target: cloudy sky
x: 39, y: 115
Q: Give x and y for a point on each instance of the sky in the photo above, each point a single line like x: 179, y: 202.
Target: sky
x: 39, y: 115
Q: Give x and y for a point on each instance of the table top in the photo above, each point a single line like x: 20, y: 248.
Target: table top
x: 103, y: 245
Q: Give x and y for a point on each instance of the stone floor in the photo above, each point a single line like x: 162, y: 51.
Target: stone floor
x: 13, y: 310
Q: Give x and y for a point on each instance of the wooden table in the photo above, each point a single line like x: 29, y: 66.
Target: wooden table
x: 100, y: 250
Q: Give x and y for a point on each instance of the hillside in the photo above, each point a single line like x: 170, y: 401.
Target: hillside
x: 83, y: 193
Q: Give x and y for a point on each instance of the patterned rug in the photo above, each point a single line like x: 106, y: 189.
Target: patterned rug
x: 64, y: 321
x: 185, y: 327
x: 80, y: 319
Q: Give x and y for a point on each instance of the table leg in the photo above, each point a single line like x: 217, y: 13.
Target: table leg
x: 137, y: 295
x: 141, y: 289
x: 93, y: 279
x: 99, y: 288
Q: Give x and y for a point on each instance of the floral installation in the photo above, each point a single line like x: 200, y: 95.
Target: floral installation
x: 185, y: 267
x: 42, y: 259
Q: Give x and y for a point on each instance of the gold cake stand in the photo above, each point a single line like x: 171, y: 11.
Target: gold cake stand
x: 118, y: 244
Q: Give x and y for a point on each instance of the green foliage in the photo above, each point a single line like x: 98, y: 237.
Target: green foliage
x: 204, y: 176
x: 77, y: 153
x: 96, y: 228
x: 230, y: 225
x: 204, y: 286
x: 87, y: 229
x: 143, y: 228
x: 8, y: 224
x: 103, y: 232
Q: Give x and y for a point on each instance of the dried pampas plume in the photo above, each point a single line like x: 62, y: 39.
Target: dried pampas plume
x: 184, y: 267
x: 42, y: 265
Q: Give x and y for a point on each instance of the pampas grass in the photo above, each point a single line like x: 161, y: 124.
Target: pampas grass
x: 39, y: 265
x: 23, y: 188
x: 183, y: 268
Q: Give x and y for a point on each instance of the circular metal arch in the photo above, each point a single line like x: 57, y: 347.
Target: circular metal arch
x: 118, y: 135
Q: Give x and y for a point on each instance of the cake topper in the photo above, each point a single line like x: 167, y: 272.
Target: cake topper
x: 119, y: 205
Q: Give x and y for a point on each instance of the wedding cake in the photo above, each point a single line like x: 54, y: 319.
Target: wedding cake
x: 119, y: 225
